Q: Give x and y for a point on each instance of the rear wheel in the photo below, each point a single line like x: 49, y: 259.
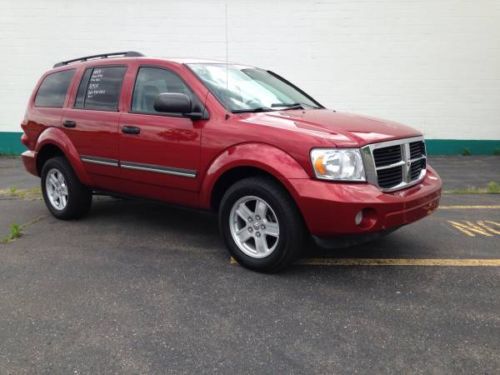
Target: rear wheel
x: 64, y: 195
x: 261, y: 225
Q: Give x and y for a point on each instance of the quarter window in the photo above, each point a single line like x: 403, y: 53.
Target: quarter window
x: 53, y: 90
x: 150, y: 83
x: 100, y: 88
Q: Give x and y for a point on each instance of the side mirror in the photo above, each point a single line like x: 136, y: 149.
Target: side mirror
x: 176, y: 103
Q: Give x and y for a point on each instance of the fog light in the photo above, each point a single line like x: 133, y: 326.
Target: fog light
x: 358, y: 218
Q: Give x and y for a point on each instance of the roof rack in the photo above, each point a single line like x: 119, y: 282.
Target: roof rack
x: 101, y: 56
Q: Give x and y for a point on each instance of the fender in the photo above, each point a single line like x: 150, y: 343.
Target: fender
x: 258, y: 155
x: 56, y: 137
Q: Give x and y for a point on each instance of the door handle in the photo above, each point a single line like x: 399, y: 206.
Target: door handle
x: 127, y: 129
x: 69, y: 124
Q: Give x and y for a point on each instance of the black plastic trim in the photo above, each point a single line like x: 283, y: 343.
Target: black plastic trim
x: 101, y: 56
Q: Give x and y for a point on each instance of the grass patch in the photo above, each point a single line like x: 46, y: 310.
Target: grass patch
x: 16, y: 231
x: 466, y: 152
x: 26, y: 194
x: 9, y: 155
x: 491, y: 188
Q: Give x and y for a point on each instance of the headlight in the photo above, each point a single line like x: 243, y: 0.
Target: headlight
x: 338, y: 164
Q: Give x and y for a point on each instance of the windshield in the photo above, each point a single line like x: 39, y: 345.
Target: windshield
x: 244, y: 89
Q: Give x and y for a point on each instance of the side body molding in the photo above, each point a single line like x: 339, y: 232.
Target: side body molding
x: 258, y: 155
x: 56, y: 137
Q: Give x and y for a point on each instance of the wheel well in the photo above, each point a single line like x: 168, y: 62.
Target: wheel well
x: 47, y: 152
x: 228, y: 178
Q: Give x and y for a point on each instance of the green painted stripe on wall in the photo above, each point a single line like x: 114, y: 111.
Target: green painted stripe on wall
x: 10, y: 143
x: 462, y: 147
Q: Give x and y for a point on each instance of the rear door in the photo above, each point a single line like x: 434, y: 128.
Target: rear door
x: 91, y: 121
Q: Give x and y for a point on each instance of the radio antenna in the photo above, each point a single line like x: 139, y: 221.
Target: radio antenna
x: 226, y: 32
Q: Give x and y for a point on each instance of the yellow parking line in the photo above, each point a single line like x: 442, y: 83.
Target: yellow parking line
x: 395, y: 262
x: 401, y: 262
x: 471, y: 229
x: 485, y: 207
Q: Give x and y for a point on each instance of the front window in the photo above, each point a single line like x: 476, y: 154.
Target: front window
x: 150, y: 83
x: 244, y: 89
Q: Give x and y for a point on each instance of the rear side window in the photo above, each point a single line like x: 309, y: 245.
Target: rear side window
x: 100, y: 88
x: 52, y: 91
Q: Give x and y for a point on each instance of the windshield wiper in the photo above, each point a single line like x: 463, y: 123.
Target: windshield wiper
x: 252, y: 110
x: 288, y: 105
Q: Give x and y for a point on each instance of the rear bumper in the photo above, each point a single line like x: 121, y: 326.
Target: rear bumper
x: 29, y: 161
x: 329, y: 209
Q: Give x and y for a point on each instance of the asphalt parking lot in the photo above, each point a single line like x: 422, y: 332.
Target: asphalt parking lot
x: 140, y: 287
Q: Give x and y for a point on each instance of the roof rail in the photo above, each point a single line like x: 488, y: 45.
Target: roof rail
x: 100, y: 56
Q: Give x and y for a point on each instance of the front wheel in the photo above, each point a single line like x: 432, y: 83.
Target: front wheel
x: 261, y: 225
x: 64, y: 195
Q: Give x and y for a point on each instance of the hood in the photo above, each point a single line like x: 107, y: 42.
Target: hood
x: 344, y: 129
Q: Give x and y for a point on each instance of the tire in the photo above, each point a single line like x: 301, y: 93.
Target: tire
x: 78, y: 197
x: 267, y: 252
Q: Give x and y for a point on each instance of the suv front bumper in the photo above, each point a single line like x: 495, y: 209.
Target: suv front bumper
x: 330, y: 209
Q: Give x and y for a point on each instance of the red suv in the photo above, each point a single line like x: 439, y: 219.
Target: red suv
x: 243, y: 141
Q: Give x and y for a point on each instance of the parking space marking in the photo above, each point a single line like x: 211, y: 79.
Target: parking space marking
x: 487, y: 228
x: 394, y: 262
x: 477, y: 207
x: 401, y: 262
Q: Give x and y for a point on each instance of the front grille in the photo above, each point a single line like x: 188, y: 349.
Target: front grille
x: 416, y: 167
x: 417, y: 149
x: 390, y: 177
x: 387, y: 155
x: 396, y: 164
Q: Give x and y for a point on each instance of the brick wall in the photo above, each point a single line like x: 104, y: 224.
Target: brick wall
x: 432, y: 64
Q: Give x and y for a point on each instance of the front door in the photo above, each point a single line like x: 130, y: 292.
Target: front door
x: 157, y: 150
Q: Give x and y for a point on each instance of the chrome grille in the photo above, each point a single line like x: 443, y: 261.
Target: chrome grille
x: 387, y: 155
x: 417, y: 149
x: 390, y: 177
x: 395, y: 164
x: 416, y: 167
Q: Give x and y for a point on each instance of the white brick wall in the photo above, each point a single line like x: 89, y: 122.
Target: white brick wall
x: 432, y: 64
